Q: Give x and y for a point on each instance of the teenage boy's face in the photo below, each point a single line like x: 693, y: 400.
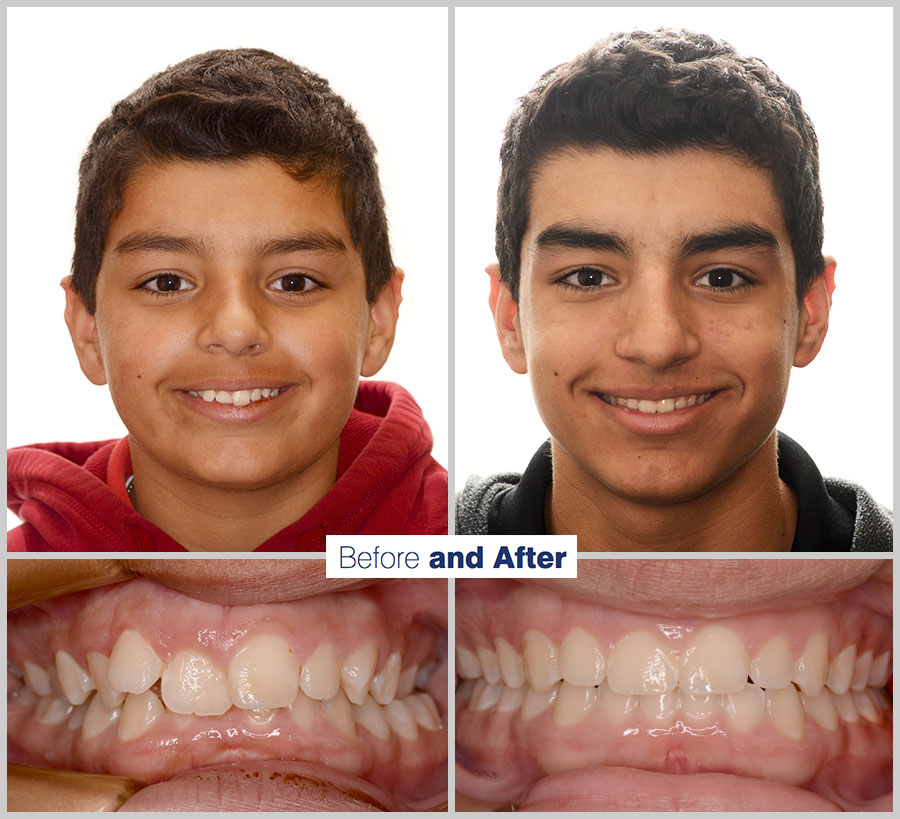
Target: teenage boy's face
x: 657, y: 316
x: 222, y: 283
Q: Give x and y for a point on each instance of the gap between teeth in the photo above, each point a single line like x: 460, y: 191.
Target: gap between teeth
x: 653, y: 407
x: 239, y: 398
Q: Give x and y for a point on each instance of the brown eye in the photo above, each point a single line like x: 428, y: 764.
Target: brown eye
x: 587, y: 278
x: 723, y: 278
x: 167, y: 283
x: 294, y: 283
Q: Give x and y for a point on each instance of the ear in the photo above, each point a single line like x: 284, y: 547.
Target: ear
x: 814, y: 315
x: 83, y: 329
x: 383, y: 313
x: 506, y: 320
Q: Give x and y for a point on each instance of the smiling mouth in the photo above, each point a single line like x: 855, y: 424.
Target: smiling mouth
x: 651, y: 407
x: 239, y: 398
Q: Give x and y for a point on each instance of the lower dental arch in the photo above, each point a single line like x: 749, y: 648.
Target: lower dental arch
x: 713, y: 676
x: 263, y: 676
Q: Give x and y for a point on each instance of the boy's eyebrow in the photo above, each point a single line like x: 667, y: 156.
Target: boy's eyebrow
x: 748, y: 235
x: 136, y: 242
x: 307, y: 240
x: 582, y: 238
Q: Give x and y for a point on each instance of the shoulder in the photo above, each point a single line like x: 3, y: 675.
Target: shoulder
x: 476, y: 500
x: 873, y: 529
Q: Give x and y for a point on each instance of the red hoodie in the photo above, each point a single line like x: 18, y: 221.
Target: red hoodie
x: 72, y: 497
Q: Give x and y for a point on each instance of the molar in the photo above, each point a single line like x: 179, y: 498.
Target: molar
x: 811, y: 666
x: 263, y: 674
x: 580, y: 659
x: 75, y: 682
x: 400, y: 718
x: 357, y: 671
x: 133, y: 664
x: 541, y: 660
x: 98, y: 718
x: 467, y: 665
x: 821, y: 709
x: 536, y: 702
x: 716, y: 662
x: 745, y: 707
x: 512, y: 667
x: 573, y: 702
x: 37, y: 679
x: 384, y: 684
x: 370, y: 715
x: 861, y: 671
x: 639, y: 664
x: 772, y: 666
x: 339, y: 713
x: 783, y: 705
x: 98, y: 665
x: 490, y: 666
x: 840, y: 671
x: 320, y: 677
x: 192, y: 684
x: 139, y: 712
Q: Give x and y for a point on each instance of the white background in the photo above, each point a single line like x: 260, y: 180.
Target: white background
x: 840, y: 61
x: 67, y: 67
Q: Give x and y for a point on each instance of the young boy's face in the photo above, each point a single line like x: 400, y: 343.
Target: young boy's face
x: 664, y: 283
x: 220, y: 281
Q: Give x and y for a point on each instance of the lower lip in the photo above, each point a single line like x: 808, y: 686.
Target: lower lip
x: 657, y: 423
x: 229, y: 413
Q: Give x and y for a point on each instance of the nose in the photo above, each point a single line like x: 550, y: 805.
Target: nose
x: 657, y: 327
x: 233, y: 320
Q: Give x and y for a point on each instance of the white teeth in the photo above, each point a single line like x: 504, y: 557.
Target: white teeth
x: 511, y: 699
x: 573, y: 702
x: 139, y: 712
x: 716, y: 662
x: 320, y: 677
x: 371, y: 716
x: 861, y: 672
x: 840, y: 671
x: 384, y: 684
x: 240, y: 398
x: 263, y: 674
x: 407, y: 682
x: 536, y: 702
x: 192, y: 684
x: 541, y: 660
x: 846, y: 707
x: 512, y: 667
x: 615, y: 707
x: 339, y: 713
x: 400, y: 718
x: 208, y: 395
x: 880, y: 672
x: 266, y: 392
x: 424, y: 675
x: 745, y: 707
x: 647, y: 406
x: 51, y: 710
x: 652, y: 407
x: 98, y: 664
x: 490, y: 666
x: 699, y: 707
x: 98, y: 718
x: 811, y: 666
x: 821, y: 709
x: 772, y: 665
x: 661, y: 706
x: 867, y: 707
x: 485, y: 695
x: 357, y: 671
x: 580, y: 660
x: 37, y: 679
x: 75, y: 682
x: 255, y: 395
x: 223, y: 397
x: 425, y: 711
x: 133, y: 664
x: 783, y: 705
x: 76, y: 718
x: 303, y: 711
x: 467, y: 665
x: 639, y: 664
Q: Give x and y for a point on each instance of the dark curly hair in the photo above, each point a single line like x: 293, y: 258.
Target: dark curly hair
x: 658, y: 92
x: 231, y: 105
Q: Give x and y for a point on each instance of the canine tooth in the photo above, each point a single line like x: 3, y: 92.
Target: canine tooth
x: 260, y: 716
x: 536, y: 702
x: 580, y: 659
x: 490, y: 666
x: 223, y: 397
x: 615, y: 707
x: 867, y: 707
x: 700, y: 707
x: 772, y: 665
x: 783, y: 705
x: 861, y: 671
x: 263, y: 674
x: 512, y: 667
x: 241, y: 398
x: 681, y: 402
x: 745, y: 707
x: 467, y: 665
x: 821, y: 709
x: 880, y: 671
x: 303, y: 711
x: 541, y: 660
x: 425, y: 711
x: 75, y: 682
x: 370, y: 715
x: 139, y: 712
x: 840, y: 671
x: 320, y: 677
x: 407, y: 682
x: 357, y: 671
x: 98, y: 718
x: 192, y: 684
x: 133, y: 664
x: 716, y: 662
x: 208, y: 395
x: 661, y: 706
x: 846, y: 707
x: 400, y: 718
x: 51, y: 710
x: 811, y: 667
x: 511, y: 699
x: 486, y: 695
x: 37, y: 679
x: 339, y: 713
x: 572, y: 704
x: 692, y: 400
x: 639, y: 664
x: 384, y: 684
x: 98, y: 665
x: 76, y: 718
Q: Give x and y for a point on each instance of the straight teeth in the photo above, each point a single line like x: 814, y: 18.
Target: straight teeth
x: 653, y: 407
x: 240, y: 398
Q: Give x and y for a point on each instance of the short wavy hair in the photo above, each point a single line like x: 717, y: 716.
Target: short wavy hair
x: 654, y: 93
x: 231, y: 105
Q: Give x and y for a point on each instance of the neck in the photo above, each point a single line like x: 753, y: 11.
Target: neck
x: 213, y: 518
x: 752, y: 510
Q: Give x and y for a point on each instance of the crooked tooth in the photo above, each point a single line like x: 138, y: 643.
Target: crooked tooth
x: 786, y: 712
x: 541, y: 660
x: 133, y: 664
x: 425, y: 711
x: 661, y: 706
x: 639, y: 664
x: 223, y: 397
x: 821, y: 709
x: 256, y: 394
x: 745, y: 707
x: 867, y: 707
x: 263, y: 674
x: 303, y: 711
x: 861, y: 671
x: 512, y: 667
x: 266, y: 392
x: 536, y: 702
x: 773, y: 664
x: 320, y: 677
x: 573, y: 702
x: 98, y: 718
x: 241, y: 398
x: 880, y: 672
x: 846, y: 707
x: 384, y: 684
x: 98, y: 665
x: 51, y: 710
x: 486, y: 695
x: 615, y: 707
x: 139, y: 712
x: 511, y: 699
x: 840, y: 671
x: 75, y: 682
x: 580, y: 659
x: 357, y: 671
x: 371, y: 716
x: 193, y: 684
x: 401, y: 719
x: 407, y: 682
x: 339, y: 713
x: 811, y: 667
x: 490, y: 666
x: 716, y: 662
x: 467, y: 665
x: 37, y: 679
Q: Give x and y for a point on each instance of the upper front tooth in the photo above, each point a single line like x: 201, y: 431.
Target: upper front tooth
x: 133, y: 664
x: 321, y: 674
x: 192, y: 684
x: 580, y: 659
x: 263, y: 674
x: 37, y: 679
x: 647, y: 406
x: 541, y: 660
x: 357, y: 671
x: 75, y: 682
x: 861, y: 672
x: 98, y: 664
x: 715, y: 663
x: 811, y: 666
x: 880, y: 671
x: 490, y: 666
x: 224, y: 397
x: 208, y: 395
x: 772, y: 666
x: 639, y: 664
x: 840, y: 671
x: 384, y: 683
x: 512, y: 668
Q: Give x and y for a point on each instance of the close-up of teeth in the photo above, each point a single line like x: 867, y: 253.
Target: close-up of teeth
x: 240, y: 398
x: 651, y: 407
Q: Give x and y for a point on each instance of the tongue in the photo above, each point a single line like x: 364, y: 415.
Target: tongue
x: 627, y: 789
x: 270, y: 785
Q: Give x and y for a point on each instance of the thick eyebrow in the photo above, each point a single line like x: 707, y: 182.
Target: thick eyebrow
x: 582, y: 238
x: 749, y: 236
x: 137, y: 242
x: 320, y: 240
